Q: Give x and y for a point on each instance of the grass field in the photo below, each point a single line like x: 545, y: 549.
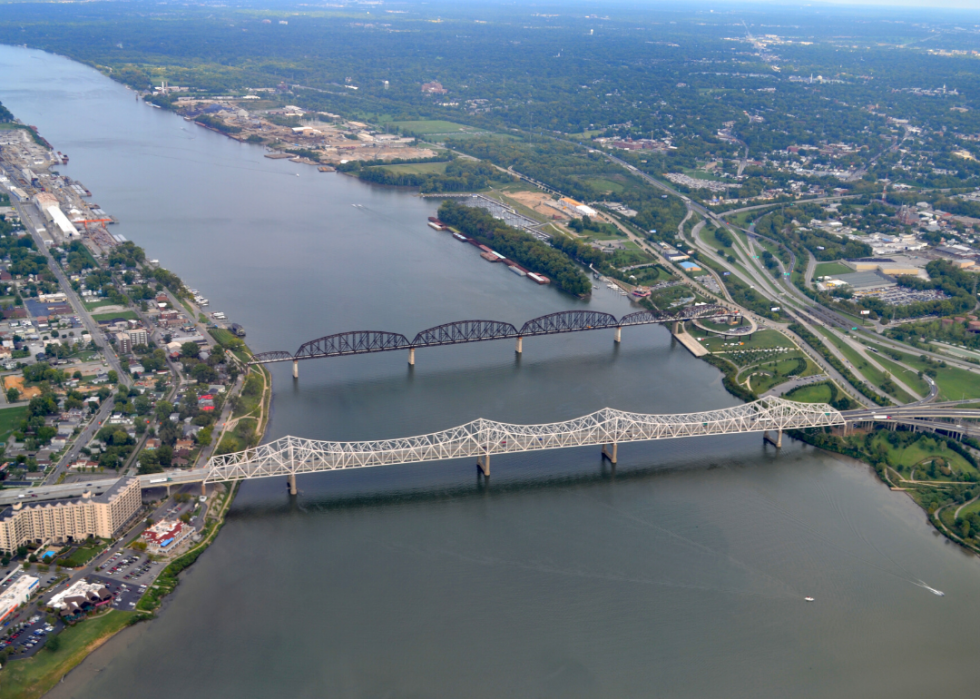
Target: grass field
x: 954, y: 383
x: 84, y: 554
x: 91, y: 305
x: 709, y: 239
x: 128, y: 315
x: 863, y: 367
x: 907, y: 376
x: 32, y: 677
x: 763, y: 339
x: 433, y: 126
x: 417, y: 168
x: 831, y: 269
x: 814, y: 393
x: 603, y: 184
x: 776, y: 370
x: 917, y: 452
x: 9, y: 419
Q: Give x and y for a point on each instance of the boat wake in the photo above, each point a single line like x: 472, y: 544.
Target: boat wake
x: 937, y: 593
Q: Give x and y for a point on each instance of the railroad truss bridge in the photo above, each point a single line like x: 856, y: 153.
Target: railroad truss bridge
x: 464, y: 331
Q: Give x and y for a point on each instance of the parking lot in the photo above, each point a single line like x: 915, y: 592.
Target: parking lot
x: 29, y: 639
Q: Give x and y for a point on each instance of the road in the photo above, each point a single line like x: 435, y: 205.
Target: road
x: 31, y: 218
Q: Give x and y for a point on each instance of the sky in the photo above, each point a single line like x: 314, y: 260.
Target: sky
x: 958, y: 4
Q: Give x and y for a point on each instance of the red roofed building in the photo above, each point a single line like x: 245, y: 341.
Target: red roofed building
x: 165, y: 535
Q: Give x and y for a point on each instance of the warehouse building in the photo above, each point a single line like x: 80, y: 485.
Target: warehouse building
x: 18, y: 593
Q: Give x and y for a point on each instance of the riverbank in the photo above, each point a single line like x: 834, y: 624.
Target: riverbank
x: 33, y: 677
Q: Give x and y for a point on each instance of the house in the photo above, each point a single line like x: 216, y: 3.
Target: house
x: 152, y: 444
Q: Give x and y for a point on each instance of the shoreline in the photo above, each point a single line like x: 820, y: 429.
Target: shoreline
x: 16, y: 680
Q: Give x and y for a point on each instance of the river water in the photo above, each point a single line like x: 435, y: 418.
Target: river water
x: 682, y: 574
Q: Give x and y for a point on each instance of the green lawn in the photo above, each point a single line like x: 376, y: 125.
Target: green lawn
x: 907, y: 376
x: 814, y: 393
x: 917, y: 452
x: 708, y: 237
x: 417, y: 168
x: 605, y: 185
x: 831, y: 269
x: 762, y: 339
x: 9, y: 419
x: 128, y: 315
x: 954, y: 383
x: 862, y: 366
x: 777, y: 370
x: 84, y: 554
x: 432, y: 126
x: 32, y: 677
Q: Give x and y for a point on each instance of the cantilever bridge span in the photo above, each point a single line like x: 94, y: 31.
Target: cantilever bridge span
x: 464, y: 331
x: 289, y: 456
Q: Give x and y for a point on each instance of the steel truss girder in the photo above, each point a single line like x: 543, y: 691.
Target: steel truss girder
x: 353, y: 342
x: 462, y: 331
x: 292, y: 455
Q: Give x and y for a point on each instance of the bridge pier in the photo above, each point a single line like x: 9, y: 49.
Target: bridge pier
x: 295, y: 369
x: 778, y: 442
x: 678, y: 327
x: 610, y: 454
x: 204, y: 488
x: 619, y: 334
x: 520, y: 345
x: 291, y: 480
x: 483, y: 463
x: 411, y: 356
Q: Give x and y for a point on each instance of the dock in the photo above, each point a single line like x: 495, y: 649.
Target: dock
x: 692, y: 345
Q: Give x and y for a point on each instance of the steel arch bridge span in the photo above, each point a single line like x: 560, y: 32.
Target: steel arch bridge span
x: 482, y: 438
x: 464, y: 331
x: 352, y: 342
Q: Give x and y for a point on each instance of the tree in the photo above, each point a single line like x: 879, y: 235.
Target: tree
x: 186, y: 518
x: 203, y: 373
x: 13, y: 395
x: 163, y: 410
x: 53, y: 644
x: 113, y: 376
x: 189, y: 350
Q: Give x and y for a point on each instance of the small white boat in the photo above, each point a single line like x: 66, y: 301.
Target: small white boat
x: 808, y: 599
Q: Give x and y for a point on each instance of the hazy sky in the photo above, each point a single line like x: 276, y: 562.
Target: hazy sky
x: 959, y: 4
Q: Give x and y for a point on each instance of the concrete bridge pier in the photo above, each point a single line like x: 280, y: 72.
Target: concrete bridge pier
x: 204, y: 488
x: 295, y: 369
x: 483, y: 463
x: 520, y: 345
x: 619, y: 334
x: 411, y: 356
x: 291, y: 480
x: 678, y: 327
x: 610, y: 451
x: 778, y: 442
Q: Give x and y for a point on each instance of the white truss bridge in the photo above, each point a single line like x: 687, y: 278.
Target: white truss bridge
x: 482, y: 438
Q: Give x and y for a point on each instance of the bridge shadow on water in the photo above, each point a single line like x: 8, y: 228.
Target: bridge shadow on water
x: 270, y: 498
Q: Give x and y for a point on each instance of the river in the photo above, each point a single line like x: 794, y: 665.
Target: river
x: 682, y: 574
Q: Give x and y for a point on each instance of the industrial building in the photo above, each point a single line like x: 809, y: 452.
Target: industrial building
x: 71, y: 519
x: 17, y: 594
x: 867, y: 281
x: 48, y: 205
x: 892, y: 266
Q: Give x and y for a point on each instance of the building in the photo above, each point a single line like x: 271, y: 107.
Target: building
x: 17, y: 594
x: 166, y: 535
x: 138, y: 336
x: 70, y: 519
x: 81, y: 597
x: 867, y: 281
x: 124, y: 343
x: 433, y: 88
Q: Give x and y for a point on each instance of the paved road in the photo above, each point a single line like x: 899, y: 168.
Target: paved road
x: 31, y: 218
x: 86, y: 435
